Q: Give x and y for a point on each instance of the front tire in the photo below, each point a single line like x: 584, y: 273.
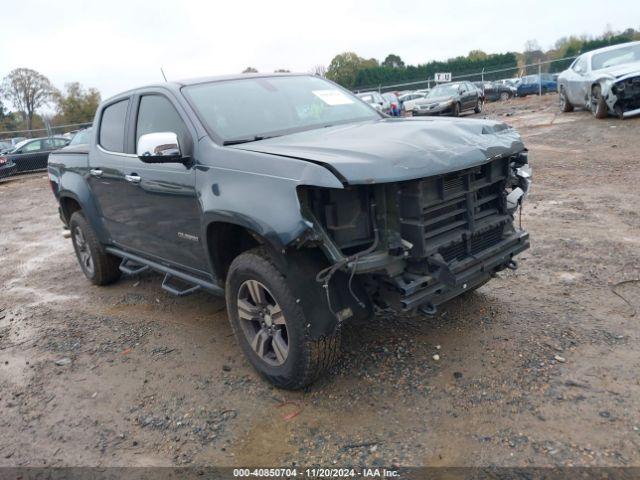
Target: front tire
x: 270, y: 325
x: 455, y: 110
x: 478, y: 107
x: 598, y: 105
x: 100, y: 267
x: 504, y: 96
x: 565, y: 105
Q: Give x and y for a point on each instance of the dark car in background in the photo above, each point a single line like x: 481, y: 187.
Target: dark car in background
x: 32, y: 154
x: 535, y: 84
x: 494, y: 91
x: 450, y: 99
x: 7, y: 167
x: 5, y: 146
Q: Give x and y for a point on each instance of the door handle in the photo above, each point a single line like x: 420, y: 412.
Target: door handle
x: 96, y: 172
x: 133, y: 178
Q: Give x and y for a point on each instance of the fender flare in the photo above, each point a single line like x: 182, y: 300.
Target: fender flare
x: 74, y: 187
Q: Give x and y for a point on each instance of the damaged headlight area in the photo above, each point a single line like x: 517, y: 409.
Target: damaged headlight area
x: 625, y: 96
x: 416, y: 244
x: 519, y: 181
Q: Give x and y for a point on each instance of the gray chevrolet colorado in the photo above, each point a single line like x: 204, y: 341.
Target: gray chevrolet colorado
x: 300, y: 203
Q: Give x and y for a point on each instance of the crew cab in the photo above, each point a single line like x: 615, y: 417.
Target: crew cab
x: 302, y: 205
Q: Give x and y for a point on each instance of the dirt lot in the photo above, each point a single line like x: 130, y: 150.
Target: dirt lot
x: 539, y: 367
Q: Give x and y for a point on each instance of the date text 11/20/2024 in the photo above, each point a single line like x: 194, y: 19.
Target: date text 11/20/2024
x: 315, y: 473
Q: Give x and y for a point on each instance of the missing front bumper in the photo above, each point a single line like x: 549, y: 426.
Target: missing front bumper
x: 432, y: 291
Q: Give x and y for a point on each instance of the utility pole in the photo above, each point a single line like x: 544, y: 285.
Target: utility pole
x: 539, y: 78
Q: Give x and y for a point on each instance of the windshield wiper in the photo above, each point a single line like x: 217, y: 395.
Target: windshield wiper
x: 247, y: 140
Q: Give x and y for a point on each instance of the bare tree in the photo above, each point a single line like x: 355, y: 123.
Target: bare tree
x: 532, y: 46
x: 27, y: 90
x: 319, y: 70
x: 250, y: 70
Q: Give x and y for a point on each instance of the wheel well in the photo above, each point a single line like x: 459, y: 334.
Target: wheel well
x: 69, y: 206
x: 226, y: 241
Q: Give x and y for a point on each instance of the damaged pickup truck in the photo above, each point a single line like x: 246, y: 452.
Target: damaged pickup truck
x: 301, y: 204
x: 605, y: 81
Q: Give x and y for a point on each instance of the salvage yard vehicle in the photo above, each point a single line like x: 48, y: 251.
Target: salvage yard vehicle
x: 7, y: 167
x: 494, y: 91
x: 303, y: 205
x: 605, y: 81
x: 450, y: 99
x: 536, y: 84
x: 31, y: 155
x: 376, y: 100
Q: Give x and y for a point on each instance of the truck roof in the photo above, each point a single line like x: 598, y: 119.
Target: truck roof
x: 178, y: 84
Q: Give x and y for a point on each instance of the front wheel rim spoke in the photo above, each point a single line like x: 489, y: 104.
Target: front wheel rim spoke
x: 259, y: 343
x: 277, y: 317
x: 256, y: 292
x: 280, y: 347
x: 246, y: 311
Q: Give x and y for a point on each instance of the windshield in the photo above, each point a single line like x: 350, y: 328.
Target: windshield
x: 619, y: 56
x: 447, y: 90
x: 252, y: 108
x: 81, y: 138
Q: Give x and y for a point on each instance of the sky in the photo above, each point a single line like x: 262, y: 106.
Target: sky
x: 114, y: 45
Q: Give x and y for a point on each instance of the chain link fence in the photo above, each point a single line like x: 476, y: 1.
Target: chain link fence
x: 511, y: 73
x: 23, y: 151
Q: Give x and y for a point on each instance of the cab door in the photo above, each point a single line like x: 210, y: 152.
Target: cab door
x: 105, y: 176
x: 163, y: 217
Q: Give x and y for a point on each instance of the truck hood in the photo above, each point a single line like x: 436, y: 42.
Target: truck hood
x: 391, y: 150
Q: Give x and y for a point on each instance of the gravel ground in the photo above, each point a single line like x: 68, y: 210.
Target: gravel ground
x: 537, y: 368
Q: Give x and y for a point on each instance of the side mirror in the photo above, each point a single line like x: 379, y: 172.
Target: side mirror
x: 160, y: 147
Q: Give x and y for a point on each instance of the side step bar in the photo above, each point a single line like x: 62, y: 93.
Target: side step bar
x: 175, y: 290
x: 144, y: 264
x: 132, y: 268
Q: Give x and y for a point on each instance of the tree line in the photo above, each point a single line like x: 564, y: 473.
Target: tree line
x: 356, y: 73
x: 28, y: 91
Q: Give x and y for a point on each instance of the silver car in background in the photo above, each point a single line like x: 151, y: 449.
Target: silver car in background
x: 376, y: 100
x: 604, y: 81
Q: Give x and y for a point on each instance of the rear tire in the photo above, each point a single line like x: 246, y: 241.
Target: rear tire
x: 598, y: 105
x: 100, y: 267
x: 565, y: 105
x: 277, y: 345
x: 478, y: 107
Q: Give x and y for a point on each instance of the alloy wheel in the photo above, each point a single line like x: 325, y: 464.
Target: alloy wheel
x: 82, y: 248
x: 263, y: 323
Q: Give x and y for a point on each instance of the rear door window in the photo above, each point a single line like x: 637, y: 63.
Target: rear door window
x: 112, y: 126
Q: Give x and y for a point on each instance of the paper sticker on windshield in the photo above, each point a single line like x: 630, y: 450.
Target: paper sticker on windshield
x: 332, y: 97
